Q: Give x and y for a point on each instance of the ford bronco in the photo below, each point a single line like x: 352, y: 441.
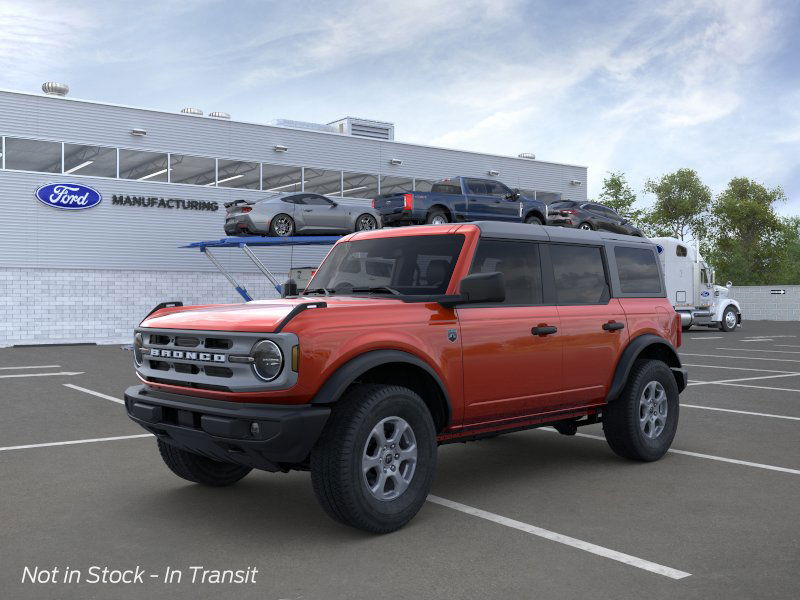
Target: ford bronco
x: 410, y: 338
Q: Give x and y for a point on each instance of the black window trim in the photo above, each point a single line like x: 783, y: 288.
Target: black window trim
x: 617, y: 284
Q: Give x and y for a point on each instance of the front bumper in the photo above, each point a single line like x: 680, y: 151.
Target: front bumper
x: 225, y: 431
x: 681, y: 377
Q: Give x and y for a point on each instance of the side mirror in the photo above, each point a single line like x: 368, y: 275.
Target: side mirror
x: 514, y: 195
x: 478, y: 288
x: 334, y: 204
x: 729, y: 285
x: 289, y: 288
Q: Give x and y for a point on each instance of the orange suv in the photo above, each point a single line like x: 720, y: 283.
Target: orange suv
x: 410, y: 338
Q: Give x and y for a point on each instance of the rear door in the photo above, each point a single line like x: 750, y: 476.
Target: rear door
x: 479, y: 201
x: 509, y: 370
x: 593, y: 325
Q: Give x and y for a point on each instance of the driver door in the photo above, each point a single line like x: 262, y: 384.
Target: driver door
x: 321, y: 214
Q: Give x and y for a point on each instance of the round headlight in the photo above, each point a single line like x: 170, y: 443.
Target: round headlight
x: 268, y: 360
x: 138, y: 342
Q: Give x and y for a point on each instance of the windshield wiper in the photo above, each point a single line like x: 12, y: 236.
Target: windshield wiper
x: 324, y: 291
x: 381, y: 289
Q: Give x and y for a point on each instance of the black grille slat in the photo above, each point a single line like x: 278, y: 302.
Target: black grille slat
x: 218, y: 343
x: 214, y: 371
x: 187, y: 342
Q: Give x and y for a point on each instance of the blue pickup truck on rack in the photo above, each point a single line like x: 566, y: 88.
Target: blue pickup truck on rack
x: 460, y: 199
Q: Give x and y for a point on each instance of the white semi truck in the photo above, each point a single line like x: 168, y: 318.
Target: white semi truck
x: 692, y: 290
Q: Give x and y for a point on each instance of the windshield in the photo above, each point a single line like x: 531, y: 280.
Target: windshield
x: 408, y: 265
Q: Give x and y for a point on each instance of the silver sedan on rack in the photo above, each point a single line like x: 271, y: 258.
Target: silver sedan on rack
x: 298, y: 213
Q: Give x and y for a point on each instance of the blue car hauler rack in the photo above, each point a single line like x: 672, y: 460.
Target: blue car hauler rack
x: 246, y: 242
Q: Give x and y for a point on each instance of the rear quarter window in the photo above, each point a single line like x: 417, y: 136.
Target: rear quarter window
x: 638, y: 271
x: 580, y: 276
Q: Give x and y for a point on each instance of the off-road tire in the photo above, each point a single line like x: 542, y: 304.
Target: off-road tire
x: 437, y: 214
x: 621, y: 417
x: 200, y: 469
x: 533, y: 220
x: 723, y: 325
x: 336, y: 460
x: 272, y: 230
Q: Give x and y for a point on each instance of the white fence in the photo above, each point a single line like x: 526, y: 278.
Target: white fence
x: 768, y: 302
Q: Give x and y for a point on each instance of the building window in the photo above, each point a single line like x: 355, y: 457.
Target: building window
x: 396, y: 185
x: 423, y: 185
x: 33, y: 155
x: 97, y: 161
x: 238, y: 174
x: 194, y: 170
x: 144, y: 166
x: 359, y: 185
x: 279, y: 178
x: 321, y: 181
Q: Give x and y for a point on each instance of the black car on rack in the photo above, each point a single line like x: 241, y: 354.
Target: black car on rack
x: 589, y: 215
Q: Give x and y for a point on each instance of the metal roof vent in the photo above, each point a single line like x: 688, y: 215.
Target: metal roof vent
x: 51, y: 88
x: 192, y: 111
x: 527, y: 155
x: 219, y: 115
x: 377, y: 130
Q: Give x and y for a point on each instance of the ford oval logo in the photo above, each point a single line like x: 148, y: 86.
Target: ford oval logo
x: 68, y: 196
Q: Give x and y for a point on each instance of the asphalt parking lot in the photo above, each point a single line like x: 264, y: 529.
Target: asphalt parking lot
x: 528, y: 515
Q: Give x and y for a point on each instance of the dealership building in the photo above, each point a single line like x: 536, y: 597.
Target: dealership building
x: 162, y: 179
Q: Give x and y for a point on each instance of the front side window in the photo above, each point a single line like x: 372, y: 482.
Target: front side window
x: 476, y: 186
x: 33, y: 155
x: 638, y: 271
x: 315, y: 200
x: 519, y: 264
x: 579, y: 274
x: 410, y: 265
x: 495, y: 188
x: 681, y: 250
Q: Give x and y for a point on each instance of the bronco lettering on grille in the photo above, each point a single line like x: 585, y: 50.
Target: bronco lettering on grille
x: 201, y: 356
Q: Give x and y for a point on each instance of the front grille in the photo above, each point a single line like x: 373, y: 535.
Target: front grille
x: 190, y: 384
x: 218, y: 343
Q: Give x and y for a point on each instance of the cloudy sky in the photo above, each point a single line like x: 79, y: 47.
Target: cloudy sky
x: 641, y: 87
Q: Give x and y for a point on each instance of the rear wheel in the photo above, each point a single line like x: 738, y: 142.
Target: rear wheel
x: 366, y: 222
x: 585, y: 226
x: 437, y: 216
x: 533, y: 220
x: 281, y: 226
x: 199, y: 469
x: 373, y: 466
x: 641, y: 423
x: 729, y: 320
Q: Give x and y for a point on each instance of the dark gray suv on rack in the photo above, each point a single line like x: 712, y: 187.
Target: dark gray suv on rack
x: 589, y: 215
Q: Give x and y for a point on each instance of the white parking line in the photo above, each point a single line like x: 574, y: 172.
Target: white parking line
x: 93, y: 393
x: 71, y: 442
x: 741, y: 412
x: 41, y: 374
x: 758, y: 340
x: 743, y: 379
x: 761, y: 387
x: 740, y: 357
x: 738, y: 368
x: 31, y: 367
x: 754, y: 350
x: 713, y: 337
x: 562, y: 539
x: 787, y: 345
x: 699, y: 455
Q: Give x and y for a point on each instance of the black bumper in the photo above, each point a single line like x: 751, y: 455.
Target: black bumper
x: 227, y: 431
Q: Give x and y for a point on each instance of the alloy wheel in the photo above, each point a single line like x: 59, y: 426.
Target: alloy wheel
x: 389, y: 459
x: 366, y: 223
x: 653, y: 409
x: 282, y: 226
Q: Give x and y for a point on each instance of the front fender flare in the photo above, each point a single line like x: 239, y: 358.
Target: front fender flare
x: 633, y: 351
x: 346, y: 374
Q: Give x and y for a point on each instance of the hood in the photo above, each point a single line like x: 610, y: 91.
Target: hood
x: 260, y: 316
x: 721, y: 291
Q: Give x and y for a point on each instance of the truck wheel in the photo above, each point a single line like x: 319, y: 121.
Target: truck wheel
x: 374, y: 463
x: 641, y: 423
x: 437, y: 216
x: 533, y: 220
x: 729, y: 320
x: 281, y: 226
x: 200, y: 469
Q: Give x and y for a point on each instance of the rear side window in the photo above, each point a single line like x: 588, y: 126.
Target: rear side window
x: 519, y: 264
x: 579, y: 274
x: 638, y: 271
x: 446, y: 187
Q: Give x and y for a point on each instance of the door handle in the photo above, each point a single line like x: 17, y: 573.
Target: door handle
x: 308, y: 210
x: 613, y: 326
x: 544, y: 330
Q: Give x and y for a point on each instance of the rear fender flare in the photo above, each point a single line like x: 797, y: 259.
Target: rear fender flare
x: 634, y: 350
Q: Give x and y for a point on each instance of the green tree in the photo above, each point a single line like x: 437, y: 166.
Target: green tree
x: 617, y: 194
x: 681, y: 205
x: 751, y: 242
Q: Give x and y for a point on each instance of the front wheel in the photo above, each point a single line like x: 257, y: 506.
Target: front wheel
x: 366, y: 222
x: 533, y: 220
x: 281, y: 226
x: 199, y: 469
x: 641, y: 423
x: 373, y: 466
x: 729, y: 320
